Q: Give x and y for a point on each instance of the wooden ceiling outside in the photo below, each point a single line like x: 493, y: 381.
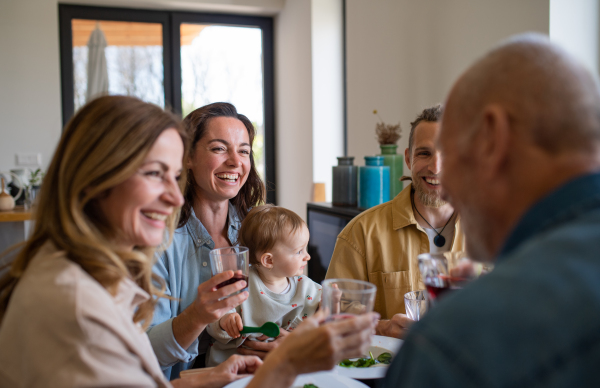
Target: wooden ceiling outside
x: 130, y: 33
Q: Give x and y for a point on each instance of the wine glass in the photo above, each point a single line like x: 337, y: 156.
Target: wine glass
x: 445, y: 271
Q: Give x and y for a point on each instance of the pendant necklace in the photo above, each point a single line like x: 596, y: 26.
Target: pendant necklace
x: 438, y: 240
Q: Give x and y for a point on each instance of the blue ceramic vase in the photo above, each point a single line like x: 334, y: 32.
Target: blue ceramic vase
x: 373, y: 182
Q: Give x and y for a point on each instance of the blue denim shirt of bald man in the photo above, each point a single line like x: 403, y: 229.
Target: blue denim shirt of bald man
x: 534, y: 321
x: 184, y: 265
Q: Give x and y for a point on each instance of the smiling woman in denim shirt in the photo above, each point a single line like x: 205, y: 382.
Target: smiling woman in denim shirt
x: 223, y: 184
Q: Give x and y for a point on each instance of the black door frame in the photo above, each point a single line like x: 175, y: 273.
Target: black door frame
x: 171, y: 21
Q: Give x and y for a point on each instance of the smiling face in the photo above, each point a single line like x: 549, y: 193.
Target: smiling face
x: 290, y: 253
x: 425, y: 164
x: 136, y: 209
x: 220, y: 162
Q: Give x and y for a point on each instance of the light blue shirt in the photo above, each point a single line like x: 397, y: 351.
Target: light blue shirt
x: 184, y: 265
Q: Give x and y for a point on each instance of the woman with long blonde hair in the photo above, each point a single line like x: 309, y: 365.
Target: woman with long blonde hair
x: 79, y: 292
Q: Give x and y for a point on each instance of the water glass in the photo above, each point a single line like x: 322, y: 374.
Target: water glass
x: 234, y: 259
x: 343, y: 298
x: 416, y: 304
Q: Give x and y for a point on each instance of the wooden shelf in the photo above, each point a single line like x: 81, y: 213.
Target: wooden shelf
x: 15, y: 215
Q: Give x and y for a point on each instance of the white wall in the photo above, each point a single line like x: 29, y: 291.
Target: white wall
x: 30, y: 109
x: 404, y: 55
x: 327, y: 89
x: 293, y: 99
x: 574, y: 25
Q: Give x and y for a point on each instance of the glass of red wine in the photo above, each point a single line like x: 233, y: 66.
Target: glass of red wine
x: 344, y: 298
x: 230, y: 259
x: 443, y: 272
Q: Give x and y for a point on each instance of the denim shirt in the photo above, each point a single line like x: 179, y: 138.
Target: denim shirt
x: 534, y: 321
x: 184, y: 265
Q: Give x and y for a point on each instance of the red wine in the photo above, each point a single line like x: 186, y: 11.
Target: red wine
x: 435, y: 292
x: 235, y: 278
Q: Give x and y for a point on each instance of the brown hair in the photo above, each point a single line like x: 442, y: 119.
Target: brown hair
x: 102, y: 146
x: 264, y: 225
x: 195, y: 124
x: 431, y: 115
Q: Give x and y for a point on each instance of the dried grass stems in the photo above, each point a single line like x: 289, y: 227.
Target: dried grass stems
x: 387, y: 133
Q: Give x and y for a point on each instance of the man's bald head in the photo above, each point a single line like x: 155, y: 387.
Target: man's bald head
x: 546, y: 92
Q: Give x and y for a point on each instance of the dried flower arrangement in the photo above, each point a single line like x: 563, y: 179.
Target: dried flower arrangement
x: 387, y: 133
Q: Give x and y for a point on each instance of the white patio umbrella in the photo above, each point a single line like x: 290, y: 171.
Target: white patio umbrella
x: 97, y: 71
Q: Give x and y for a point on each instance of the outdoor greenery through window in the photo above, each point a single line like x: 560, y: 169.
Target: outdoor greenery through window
x: 223, y: 63
x: 176, y: 60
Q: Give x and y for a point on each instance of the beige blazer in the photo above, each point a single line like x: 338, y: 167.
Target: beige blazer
x: 63, y: 329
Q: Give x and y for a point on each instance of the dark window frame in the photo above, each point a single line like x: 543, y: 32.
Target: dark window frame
x: 171, y: 22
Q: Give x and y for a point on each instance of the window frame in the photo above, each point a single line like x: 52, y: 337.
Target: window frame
x: 171, y: 21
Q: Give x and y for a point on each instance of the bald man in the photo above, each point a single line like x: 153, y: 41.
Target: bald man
x: 520, y: 140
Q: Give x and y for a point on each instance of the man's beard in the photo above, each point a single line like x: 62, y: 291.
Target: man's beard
x: 426, y: 197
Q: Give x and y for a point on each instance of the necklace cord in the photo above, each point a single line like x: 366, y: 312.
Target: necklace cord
x: 439, y: 234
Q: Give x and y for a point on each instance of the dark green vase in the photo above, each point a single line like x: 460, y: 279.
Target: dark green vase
x: 396, y: 164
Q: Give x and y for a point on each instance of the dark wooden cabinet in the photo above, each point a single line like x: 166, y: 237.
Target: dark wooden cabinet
x: 325, y: 222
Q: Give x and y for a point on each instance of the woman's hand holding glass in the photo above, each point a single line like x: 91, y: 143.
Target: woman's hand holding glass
x: 212, y: 302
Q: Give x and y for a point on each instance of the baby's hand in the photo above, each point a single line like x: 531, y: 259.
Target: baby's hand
x: 232, y: 324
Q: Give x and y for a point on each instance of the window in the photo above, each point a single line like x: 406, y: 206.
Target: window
x: 177, y: 60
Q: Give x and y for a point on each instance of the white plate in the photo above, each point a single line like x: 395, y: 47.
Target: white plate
x: 320, y: 379
x: 375, y: 372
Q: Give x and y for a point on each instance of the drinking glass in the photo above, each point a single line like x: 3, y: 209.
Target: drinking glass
x: 416, y: 304
x: 444, y: 271
x: 230, y: 259
x: 343, y: 298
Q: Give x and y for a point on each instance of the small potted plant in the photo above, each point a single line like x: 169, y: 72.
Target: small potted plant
x: 388, y: 135
x: 32, y: 189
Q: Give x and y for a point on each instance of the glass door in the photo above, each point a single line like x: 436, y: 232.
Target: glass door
x: 225, y: 63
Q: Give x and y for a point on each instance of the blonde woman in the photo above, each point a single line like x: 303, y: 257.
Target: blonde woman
x: 79, y: 292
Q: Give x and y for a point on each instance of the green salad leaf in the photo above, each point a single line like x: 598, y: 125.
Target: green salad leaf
x: 310, y: 386
x: 383, y: 358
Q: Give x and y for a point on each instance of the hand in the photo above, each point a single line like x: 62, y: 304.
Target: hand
x: 311, y: 348
x: 396, y: 327
x: 234, y: 368
x: 207, y: 307
x: 232, y: 324
x: 261, y: 349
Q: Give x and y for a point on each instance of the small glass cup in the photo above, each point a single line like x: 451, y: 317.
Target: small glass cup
x: 416, y: 303
x: 230, y: 259
x: 343, y: 298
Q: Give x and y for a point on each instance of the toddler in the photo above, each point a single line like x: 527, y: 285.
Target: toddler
x: 277, y: 240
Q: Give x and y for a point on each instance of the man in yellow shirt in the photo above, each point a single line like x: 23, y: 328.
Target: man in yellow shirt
x: 381, y: 244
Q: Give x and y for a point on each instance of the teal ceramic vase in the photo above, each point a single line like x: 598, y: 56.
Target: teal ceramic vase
x: 373, y: 182
x: 396, y: 164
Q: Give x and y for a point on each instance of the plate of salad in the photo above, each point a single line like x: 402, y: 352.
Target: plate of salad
x: 374, y: 364
x: 312, y: 380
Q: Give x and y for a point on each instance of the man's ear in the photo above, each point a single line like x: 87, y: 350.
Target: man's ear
x: 266, y: 260
x: 407, y: 157
x: 494, y: 139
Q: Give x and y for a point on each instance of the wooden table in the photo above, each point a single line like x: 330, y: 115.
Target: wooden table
x: 15, y: 215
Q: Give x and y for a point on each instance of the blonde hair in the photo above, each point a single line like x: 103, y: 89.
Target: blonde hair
x: 102, y: 146
x: 264, y: 225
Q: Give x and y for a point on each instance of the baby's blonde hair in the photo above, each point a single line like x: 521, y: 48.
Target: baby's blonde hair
x: 264, y: 225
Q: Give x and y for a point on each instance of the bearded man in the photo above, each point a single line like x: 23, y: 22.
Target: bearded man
x: 381, y: 244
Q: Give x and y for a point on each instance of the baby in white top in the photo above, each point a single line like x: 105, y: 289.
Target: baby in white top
x: 277, y: 239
